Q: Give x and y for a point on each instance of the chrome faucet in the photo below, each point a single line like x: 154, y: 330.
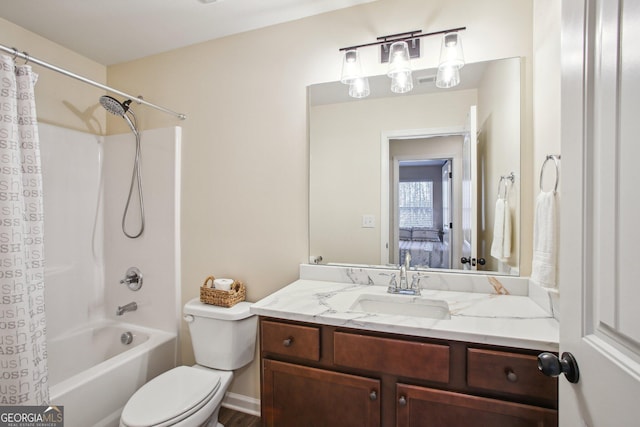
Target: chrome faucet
x: 404, y: 287
x: 132, y: 306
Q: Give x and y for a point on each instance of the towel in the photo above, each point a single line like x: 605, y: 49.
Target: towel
x: 501, y: 245
x: 543, y: 267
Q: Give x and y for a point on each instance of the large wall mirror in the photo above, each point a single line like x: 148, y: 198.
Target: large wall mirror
x: 434, y: 173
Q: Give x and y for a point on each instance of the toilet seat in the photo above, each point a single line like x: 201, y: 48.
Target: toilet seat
x: 171, y: 397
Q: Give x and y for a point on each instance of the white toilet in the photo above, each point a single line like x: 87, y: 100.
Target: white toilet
x: 223, y: 339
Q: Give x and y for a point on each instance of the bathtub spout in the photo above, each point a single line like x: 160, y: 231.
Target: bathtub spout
x: 132, y: 306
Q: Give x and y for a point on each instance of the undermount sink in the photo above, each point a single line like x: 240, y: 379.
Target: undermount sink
x: 402, y: 305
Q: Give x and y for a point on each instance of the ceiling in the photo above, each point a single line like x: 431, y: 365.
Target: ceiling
x: 115, y: 31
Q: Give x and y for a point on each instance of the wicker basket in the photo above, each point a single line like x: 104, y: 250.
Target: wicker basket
x: 210, y: 295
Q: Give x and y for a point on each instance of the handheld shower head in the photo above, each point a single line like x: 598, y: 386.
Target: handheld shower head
x: 114, y: 106
x: 121, y: 109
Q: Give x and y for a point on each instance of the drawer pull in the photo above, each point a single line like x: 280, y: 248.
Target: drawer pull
x: 402, y: 401
x: 288, y: 342
x: 511, y: 376
x: 373, y: 395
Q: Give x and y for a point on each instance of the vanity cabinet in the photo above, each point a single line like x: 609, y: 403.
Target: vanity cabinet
x: 319, y: 375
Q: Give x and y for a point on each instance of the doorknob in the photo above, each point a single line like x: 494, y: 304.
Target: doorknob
x: 465, y: 260
x: 550, y: 365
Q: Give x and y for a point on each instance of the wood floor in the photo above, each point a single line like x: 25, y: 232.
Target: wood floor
x: 231, y: 418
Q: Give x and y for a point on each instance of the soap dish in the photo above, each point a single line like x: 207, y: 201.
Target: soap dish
x: 222, y: 298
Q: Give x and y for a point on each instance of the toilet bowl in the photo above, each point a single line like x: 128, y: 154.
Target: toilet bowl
x: 190, y: 396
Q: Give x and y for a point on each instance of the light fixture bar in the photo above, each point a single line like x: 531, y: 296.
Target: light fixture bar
x: 411, y: 35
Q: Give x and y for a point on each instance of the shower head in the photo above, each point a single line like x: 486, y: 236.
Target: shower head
x: 114, y: 106
x: 121, y: 109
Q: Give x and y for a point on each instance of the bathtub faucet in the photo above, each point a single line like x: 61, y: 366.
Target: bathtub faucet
x: 132, y: 306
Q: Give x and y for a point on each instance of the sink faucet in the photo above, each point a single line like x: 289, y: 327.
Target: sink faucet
x: 403, y: 287
x: 132, y: 306
x: 403, y: 271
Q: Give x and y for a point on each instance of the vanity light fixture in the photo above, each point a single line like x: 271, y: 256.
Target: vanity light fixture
x: 400, y: 67
x: 359, y: 88
x: 451, y: 60
x: 351, y: 67
x: 398, y: 49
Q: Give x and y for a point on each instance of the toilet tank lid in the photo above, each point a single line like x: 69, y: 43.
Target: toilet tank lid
x: 238, y: 311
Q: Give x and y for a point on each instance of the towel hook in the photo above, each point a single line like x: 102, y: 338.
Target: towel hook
x: 503, y: 178
x: 555, y: 158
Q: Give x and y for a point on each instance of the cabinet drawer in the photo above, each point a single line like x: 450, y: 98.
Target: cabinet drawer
x: 290, y: 340
x: 507, y: 372
x: 397, y: 357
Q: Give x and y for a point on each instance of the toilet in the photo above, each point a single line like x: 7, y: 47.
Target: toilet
x: 223, y: 340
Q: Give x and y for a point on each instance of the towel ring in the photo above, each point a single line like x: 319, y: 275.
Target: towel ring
x: 555, y: 158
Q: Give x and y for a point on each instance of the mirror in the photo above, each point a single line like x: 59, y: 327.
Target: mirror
x: 419, y: 173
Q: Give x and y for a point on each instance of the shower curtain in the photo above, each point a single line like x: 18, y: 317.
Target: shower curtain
x: 23, y: 356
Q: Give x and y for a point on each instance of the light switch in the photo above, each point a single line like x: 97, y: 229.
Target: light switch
x: 368, y: 221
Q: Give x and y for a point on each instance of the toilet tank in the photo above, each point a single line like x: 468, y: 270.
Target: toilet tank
x: 222, y: 338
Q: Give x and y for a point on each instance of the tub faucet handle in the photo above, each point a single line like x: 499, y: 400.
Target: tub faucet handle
x: 133, y: 279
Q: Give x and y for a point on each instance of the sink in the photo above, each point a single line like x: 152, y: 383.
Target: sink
x: 402, y: 305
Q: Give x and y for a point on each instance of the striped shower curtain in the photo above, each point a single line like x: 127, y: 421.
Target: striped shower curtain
x: 23, y: 361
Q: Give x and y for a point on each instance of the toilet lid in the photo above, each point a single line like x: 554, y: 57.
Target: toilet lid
x: 170, y: 397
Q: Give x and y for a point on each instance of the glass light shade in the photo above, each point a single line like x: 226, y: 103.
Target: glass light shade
x: 359, y: 88
x: 351, y: 67
x: 401, y: 82
x: 451, y: 51
x: 399, y: 60
x: 448, y: 76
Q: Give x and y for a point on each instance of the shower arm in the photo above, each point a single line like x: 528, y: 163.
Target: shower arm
x: 24, y: 55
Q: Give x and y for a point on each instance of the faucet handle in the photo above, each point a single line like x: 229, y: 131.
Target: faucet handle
x: 133, y: 279
x: 392, y: 281
x: 415, y: 281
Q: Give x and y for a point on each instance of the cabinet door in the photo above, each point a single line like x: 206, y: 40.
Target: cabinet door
x: 425, y: 407
x: 296, y: 396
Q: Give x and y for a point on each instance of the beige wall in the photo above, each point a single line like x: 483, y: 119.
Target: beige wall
x: 499, y: 154
x: 245, y: 150
x: 61, y: 100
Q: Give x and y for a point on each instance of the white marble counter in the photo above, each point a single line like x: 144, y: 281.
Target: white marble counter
x: 487, y: 318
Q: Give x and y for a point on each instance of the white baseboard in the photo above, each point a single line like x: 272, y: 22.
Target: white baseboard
x: 242, y: 403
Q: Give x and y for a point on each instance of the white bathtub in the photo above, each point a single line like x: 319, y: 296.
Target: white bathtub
x: 92, y: 374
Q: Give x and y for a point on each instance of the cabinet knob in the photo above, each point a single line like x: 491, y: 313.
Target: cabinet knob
x: 287, y: 342
x: 511, y: 376
x: 373, y: 395
x: 402, y: 401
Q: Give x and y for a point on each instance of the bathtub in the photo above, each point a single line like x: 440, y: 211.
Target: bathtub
x: 93, y: 374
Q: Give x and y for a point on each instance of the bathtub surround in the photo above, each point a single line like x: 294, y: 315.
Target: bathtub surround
x: 23, y: 353
x: 85, y: 189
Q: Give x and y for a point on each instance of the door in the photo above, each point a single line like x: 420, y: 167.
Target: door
x: 600, y: 207
x: 447, y: 221
x: 470, y: 191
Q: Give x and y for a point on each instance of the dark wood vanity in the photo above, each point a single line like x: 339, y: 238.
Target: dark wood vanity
x: 318, y: 375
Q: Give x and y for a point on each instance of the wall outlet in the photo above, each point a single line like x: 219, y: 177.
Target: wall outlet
x: 368, y: 221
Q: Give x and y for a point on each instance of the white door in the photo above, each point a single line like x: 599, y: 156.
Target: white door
x: 600, y: 231
x: 447, y: 221
x: 470, y: 191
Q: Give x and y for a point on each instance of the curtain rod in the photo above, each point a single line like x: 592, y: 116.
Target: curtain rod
x: 24, y: 55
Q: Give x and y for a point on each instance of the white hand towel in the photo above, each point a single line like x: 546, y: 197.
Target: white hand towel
x: 501, y: 245
x: 545, y: 241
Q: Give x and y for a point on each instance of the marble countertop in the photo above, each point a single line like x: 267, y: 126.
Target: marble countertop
x: 487, y: 318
